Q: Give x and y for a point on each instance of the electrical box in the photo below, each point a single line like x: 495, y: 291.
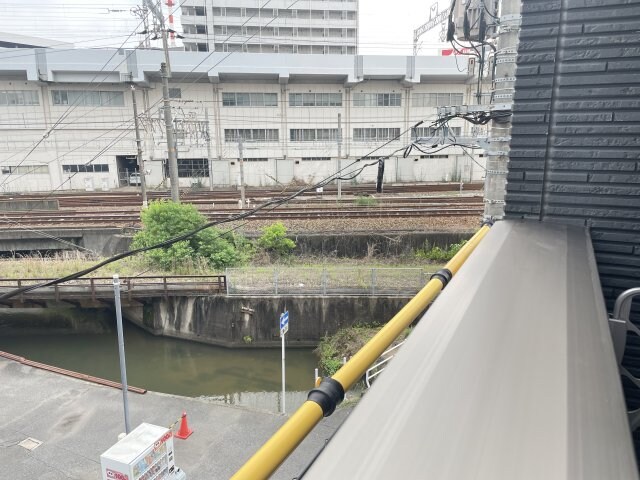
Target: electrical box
x: 145, y: 454
x: 473, y: 19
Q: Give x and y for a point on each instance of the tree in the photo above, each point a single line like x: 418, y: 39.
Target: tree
x: 166, y: 219
x: 274, y: 240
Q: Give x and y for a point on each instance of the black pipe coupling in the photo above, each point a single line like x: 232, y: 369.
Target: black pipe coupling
x: 329, y: 394
x: 444, y: 275
x: 488, y: 222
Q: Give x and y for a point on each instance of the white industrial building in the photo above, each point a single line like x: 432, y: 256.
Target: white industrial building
x: 277, y: 26
x: 67, y: 117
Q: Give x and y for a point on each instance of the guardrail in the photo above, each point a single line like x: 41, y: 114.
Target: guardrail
x: 97, y: 288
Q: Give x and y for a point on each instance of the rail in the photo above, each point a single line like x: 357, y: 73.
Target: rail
x: 99, y: 288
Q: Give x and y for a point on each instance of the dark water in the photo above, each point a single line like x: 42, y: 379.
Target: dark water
x: 250, y: 377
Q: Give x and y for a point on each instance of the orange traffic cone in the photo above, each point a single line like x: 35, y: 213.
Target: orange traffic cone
x: 184, y: 430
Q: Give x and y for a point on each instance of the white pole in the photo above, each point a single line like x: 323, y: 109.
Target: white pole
x: 283, y: 375
x: 123, y: 363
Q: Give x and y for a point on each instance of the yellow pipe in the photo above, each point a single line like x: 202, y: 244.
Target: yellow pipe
x: 266, y: 460
x: 353, y: 370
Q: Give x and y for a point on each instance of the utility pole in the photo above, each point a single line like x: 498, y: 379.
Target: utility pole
x: 241, y: 163
x: 165, y: 71
x: 339, y: 156
x: 502, y: 99
x: 143, y: 181
x: 209, y: 154
x: 171, y: 144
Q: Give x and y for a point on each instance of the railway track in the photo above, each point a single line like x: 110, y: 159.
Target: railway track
x: 119, y: 218
x: 230, y: 196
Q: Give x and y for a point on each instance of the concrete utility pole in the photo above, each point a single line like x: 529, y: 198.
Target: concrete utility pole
x: 209, y: 154
x: 500, y: 136
x: 143, y: 181
x: 339, y: 155
x: 171, y: 144
x: 165, y: 70
x: 241, y: 163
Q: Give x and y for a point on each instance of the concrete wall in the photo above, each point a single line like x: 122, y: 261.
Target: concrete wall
x: 227, y: 321
x: 29, y: 321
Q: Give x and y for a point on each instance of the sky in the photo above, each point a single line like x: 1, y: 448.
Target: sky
x: 383, y: 30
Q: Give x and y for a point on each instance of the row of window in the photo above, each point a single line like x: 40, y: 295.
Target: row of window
x: 271, y: 13
x: 269, y: 48
x: 23, y: 169
x: 19, y: 97
x: 377, y: 99
x: 90, y: 168
x: 272, y: 31
x: 435, y: 132
x: 324, y: 134
x: 232, y: 99
x: 436, y: 99
x: 236, y: 99
x: 87, y: 98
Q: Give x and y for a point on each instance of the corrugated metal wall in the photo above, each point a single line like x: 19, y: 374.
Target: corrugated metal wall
x: 575, y: 150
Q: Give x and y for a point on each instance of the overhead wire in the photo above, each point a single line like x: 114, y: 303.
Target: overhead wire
x: 274, y: 203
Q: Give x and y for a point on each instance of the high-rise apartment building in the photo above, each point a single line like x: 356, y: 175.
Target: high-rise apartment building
x: 278, y: 26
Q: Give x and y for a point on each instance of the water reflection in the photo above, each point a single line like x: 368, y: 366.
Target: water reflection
x: 176, y: 366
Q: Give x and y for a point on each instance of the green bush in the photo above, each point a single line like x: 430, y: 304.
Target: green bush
x: 437, y: 254
x: 163, y: 220
x: 274, y: 240
x: 363, y: 201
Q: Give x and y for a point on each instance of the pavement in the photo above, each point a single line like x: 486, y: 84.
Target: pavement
x: 76, y: 421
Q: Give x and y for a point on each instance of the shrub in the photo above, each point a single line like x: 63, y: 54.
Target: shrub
x: 363, y: 201
x: 165, y: 219
x: 274, y: 240
x: 437, y: 254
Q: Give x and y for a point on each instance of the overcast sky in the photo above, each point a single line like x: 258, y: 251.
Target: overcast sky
x: 386, y: 27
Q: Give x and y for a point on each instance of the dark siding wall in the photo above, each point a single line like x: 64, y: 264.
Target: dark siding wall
x: 575, y: 151
x: 576, y: 127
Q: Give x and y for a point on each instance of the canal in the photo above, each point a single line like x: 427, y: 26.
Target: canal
x: 247, y: 376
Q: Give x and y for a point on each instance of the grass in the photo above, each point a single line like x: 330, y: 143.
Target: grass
x: 363, y: 201
x: 345, y: 343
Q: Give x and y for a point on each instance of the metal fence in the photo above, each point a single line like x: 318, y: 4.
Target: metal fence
x: 325, y: 281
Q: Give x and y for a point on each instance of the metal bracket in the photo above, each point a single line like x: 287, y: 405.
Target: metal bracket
x: 500, y: 96
x: 504, y: 79
x: 498, y: 153
x: 506, y: 60
x: 502, y: 106
x: 511, y: 17
x: 499, y: 139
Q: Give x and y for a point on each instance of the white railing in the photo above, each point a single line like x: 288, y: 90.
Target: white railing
x: 377, y: 368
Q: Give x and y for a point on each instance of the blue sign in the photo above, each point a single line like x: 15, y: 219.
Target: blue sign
x: 284, y: 323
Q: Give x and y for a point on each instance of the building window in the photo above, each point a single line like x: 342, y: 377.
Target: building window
x: 24, y: 169
x: 251, y: 134
x: 375, y: 134
x: 436, y: 99
x: 19, y: 97
x: 434, y: 156
x: 316, y: 159
x: 313, y: 134
x: 255, y: 159
x: 87, y: 98
x: 315, y: 99
x: 175, y: 92
x: 377, y: 99
x: 194, y: 11
x: 232, y: 99
x: 193, y: 167
x: 430, y: 132
x: 195, y: 29
x: 90, y: 168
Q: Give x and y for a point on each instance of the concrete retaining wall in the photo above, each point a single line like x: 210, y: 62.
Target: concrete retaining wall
x: 29, y: 321
x: 240, y: 322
